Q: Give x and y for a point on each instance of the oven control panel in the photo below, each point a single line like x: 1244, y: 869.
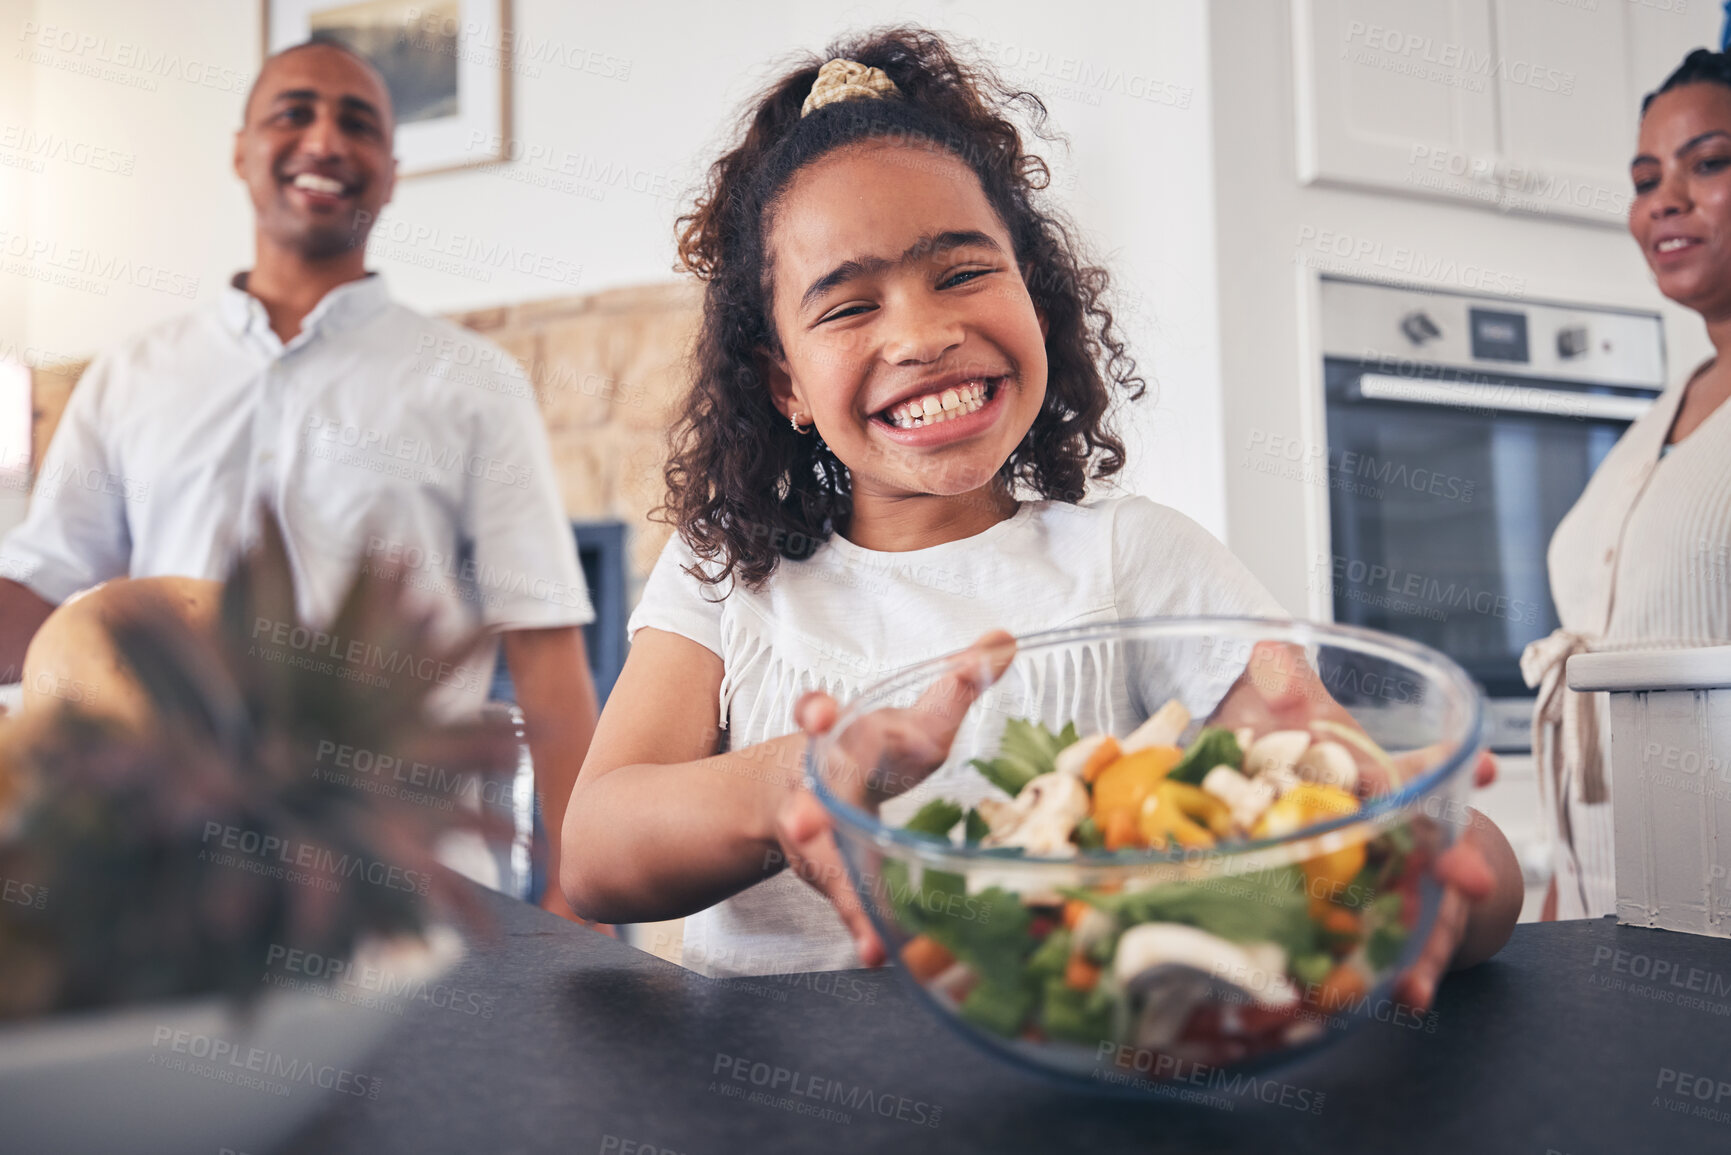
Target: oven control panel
x: 1414, y: 330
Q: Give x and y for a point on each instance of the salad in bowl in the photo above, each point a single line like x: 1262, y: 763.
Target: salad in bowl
x: 1149, y: 843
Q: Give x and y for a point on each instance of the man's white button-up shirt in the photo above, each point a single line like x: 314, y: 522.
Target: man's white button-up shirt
x: 380, y: 436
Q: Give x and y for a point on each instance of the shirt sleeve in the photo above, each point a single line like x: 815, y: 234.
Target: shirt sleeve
x: 1165, y: 565
x: 527, y: 575
x: 75, y: 533
x: 675, y: 601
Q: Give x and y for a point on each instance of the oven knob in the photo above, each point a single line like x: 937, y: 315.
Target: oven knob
x: 1419, y: 328
x: 1572, y: 342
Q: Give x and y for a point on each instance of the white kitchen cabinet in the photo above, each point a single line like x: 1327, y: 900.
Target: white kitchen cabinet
x: 1567, y: 103
x: 1374, y: 94
x: 1518, y: 105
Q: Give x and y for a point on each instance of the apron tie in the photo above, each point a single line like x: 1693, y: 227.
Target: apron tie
x: 1571, y: 718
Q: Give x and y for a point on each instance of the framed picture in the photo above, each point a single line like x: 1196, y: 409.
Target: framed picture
x: 447, y: 64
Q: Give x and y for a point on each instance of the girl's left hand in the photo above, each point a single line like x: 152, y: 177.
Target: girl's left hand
x: 1465, y: 872
x: 1479, y: 873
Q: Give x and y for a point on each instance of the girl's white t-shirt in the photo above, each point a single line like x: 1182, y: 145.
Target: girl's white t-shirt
x: 847, y: 617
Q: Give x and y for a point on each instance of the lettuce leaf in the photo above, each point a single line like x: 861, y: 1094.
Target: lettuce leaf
x: 1079, y: 1016
x: 988, y: 931
x: 1027, y: 751
x: 1268, y: 907
x: 935, y: 818
x: 1215, y: 746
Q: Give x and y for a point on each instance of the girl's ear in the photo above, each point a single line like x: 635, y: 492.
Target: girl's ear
x: 781, y: 391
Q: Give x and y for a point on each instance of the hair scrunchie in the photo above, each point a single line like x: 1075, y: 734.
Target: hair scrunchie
x: 847, y: 80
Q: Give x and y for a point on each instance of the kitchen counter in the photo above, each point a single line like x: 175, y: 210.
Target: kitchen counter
x: 1580, y: 1037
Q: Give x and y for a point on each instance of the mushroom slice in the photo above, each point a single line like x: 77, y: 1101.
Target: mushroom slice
x: 1162, y: 729
x: 1258, y: 969
x: 1274, y: 751
x: 1168, y: 970
x: 1245, y: 797
x: 1361, y: 742
x: 1329, y: 764
x: 1074, y: 758
x: 1045, y: 815
x: 999, y: 816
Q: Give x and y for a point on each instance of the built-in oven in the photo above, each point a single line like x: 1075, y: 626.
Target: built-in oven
x: 1460, y: 430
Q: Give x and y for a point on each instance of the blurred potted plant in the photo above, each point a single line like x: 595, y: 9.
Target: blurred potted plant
x: 157, y: 853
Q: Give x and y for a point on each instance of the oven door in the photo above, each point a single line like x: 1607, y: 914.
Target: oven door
x: 1443, y: 495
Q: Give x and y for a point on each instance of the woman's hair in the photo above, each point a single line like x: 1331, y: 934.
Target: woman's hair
x: 744, y: 488
x: 1699, y: 67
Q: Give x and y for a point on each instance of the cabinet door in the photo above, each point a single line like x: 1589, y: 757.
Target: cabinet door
x: 1570, y: 81
x: 1396, y: 94
x: 1567, y: 113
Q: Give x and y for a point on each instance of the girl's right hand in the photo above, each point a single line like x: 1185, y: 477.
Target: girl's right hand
x: 881, y: 755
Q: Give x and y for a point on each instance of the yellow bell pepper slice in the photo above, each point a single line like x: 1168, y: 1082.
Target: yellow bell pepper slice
x: 1305, y: 804
x: 1163, y: 821
x: 1330, y: 874
x: 1129, y: 780
x: 1198, y: 804
x: 1301, y: 806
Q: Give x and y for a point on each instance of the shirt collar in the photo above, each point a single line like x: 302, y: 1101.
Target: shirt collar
x: 347, y: 304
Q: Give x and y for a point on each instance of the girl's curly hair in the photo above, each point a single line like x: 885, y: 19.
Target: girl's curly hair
x: 743, y: 488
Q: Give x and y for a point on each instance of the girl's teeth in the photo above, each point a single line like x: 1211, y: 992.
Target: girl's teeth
x: 958, y: 401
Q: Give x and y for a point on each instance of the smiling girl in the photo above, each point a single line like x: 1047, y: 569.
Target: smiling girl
x: 901, y: 397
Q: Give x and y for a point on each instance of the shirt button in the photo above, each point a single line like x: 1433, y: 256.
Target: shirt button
x: 1610, y: 554
x: 269, y: 456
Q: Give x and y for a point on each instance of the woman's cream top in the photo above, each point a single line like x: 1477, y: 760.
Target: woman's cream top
x: 1642, y: 561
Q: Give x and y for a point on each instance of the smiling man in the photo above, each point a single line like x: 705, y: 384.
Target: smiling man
x: 306, y: 389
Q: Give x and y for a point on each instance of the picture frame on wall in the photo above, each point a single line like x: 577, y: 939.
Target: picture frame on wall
x: 447, y: 64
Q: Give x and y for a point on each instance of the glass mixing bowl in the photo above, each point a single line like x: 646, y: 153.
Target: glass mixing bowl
x: 1127, y: 967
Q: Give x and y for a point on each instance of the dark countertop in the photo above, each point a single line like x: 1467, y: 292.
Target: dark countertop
x: 1579, y: 1038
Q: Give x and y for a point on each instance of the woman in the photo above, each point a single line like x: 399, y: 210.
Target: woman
x: 1640, y: 561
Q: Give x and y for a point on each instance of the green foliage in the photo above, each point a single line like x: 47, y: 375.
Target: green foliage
x: 1050, y: 956
x: 1088, y: 834
x: 1073, y: 1015
x: 1311, y: 969
x: 999, y: 1007
x: 988, y: 931
x: 1387, y: 937
x: 1215, y: 746
x: 174, y: 858
x: 935, y: 818
x: 1027, y: 751
x: 1267, y: 907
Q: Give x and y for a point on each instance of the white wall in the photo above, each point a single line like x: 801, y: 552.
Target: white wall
x: 1138, y: 175
x: 1269, y: 225
x: 16, y: 179
x: 15, y: 182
